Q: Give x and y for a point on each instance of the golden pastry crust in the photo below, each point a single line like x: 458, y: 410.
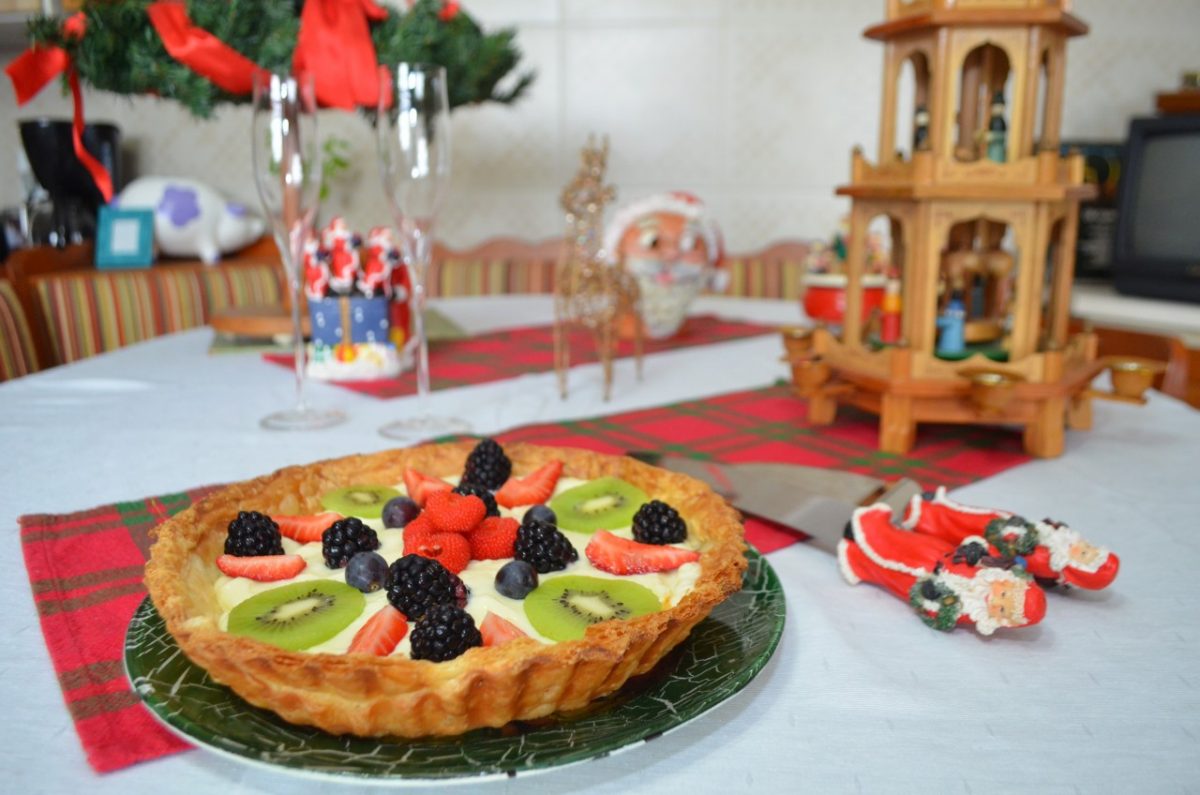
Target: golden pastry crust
x: 486, y: 686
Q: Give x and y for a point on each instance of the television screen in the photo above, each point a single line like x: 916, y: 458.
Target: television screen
x: 1158, y: 213
x: 1166, y: 200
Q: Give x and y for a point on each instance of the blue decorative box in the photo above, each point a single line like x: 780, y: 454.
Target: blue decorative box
x: 349, y: 319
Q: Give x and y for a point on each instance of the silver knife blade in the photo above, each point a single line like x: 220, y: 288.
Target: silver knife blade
x: 817, y: 502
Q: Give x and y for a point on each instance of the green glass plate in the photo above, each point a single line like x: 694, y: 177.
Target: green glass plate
x: 722, y: 654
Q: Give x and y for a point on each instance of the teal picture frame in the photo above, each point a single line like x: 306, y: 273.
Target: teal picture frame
x: 124, y: 238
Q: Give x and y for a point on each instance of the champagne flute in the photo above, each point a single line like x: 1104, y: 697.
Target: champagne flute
x: 413, y: 126
x: 287, y: 171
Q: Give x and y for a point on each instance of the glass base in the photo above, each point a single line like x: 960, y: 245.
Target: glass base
x: 302, y: 418
x: 426, y: 426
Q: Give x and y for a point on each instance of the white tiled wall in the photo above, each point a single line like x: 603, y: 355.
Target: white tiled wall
x: 752, y: 104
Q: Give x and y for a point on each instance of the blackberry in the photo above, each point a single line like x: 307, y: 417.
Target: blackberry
x: 416, y: 583
x: 482, y: 493
x: 443, y: 633
x: 344, y: 539
x: 252, y: 534
x: 658, y: 523
x: 487, y: 465
x: 542, y: 546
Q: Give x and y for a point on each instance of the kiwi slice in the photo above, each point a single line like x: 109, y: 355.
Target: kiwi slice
x: 562, y: 608
x: 298, y: 615
x: 601, y: 504
x: 365, y: 502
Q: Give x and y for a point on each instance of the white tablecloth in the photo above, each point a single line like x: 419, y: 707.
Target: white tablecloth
x: 860, y: 696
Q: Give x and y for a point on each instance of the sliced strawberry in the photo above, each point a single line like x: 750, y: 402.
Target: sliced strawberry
x: 452, y: 550
x: 617, y: 555
x: 306, y: 529
x: 494, y: 538
x: 381, y: 634
x: 264, y: 568
x: 535, y: 487
x: 454, y: 513
x: 496, y: 630
x: 420, y: 486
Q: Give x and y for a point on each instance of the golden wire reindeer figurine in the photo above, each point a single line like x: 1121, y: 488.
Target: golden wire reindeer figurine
x: 590, y: 292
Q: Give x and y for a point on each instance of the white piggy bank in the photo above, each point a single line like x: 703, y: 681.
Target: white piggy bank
x: 190, y: 218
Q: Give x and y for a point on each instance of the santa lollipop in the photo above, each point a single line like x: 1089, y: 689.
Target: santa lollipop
x: 381, y: 258
x: 344, y: 264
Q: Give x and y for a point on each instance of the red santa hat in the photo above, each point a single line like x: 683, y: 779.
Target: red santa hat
x: 675, y: 203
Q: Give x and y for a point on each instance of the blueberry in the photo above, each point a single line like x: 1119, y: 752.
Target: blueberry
x: 366, y: 571
x: 516, y: 579
x: 399, y: 511
x: 543, y: 514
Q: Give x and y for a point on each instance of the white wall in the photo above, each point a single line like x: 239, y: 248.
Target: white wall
x: 752, y: 104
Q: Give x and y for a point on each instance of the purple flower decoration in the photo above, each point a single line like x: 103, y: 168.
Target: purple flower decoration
x: 179, y: 205
x: 236, y: 209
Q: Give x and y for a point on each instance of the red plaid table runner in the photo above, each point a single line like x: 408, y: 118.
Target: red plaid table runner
x: 495, y: 357
x: 86, y: 568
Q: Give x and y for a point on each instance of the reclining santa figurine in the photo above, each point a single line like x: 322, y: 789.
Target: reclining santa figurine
x: 672, y: 247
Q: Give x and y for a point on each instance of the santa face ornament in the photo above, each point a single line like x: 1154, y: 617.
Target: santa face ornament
x: 671, y: 247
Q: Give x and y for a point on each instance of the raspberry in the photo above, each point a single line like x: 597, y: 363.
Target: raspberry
x: 443, y: 633
x: 452, y: 550
x: 415, y: 530
x: 454, y: 513
x: 344, y: 539
x: 416, y: 583
x: 494, y: 539
x: 252, y: 534
x: 658, y: 523
x: 487, y: 465
x: 542, y: 546
x: 489, y: 499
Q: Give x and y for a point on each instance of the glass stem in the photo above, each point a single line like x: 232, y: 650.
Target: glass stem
x: 422, y: 343
x: 295, y: 253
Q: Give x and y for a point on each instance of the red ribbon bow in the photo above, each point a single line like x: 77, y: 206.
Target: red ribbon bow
x: 199, y: 50
x: 334, y: 45
x: 37, y: 66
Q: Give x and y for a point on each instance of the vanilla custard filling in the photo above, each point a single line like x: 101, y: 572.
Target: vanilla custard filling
x: 479, y: 576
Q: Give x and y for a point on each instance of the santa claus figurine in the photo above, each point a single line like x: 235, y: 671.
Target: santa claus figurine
x: 1050, y: 550
x: 316, y: 270
x: 381, y: 257
x: 947, y: 585
x: 400, y: 286
x: 344, y: 264
x: 672, y: 247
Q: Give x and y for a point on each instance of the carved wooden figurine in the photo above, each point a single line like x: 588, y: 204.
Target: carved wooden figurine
x: 983, y: 216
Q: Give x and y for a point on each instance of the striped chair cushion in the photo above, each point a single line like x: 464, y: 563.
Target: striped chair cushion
x: 455, y: 277
x: 17, y: 356
x: 755, y: 277
x: 92, y: 312
x: 242, y: 285
x: 763, y: 275
x: 87, y: 315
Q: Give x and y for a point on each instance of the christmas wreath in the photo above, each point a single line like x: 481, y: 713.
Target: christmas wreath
x: 1012, y: 536
x: 936, y: 603
x: 123, y: 46
x: 202, y: 53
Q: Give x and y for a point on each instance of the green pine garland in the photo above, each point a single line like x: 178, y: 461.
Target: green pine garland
x: 121, y: 51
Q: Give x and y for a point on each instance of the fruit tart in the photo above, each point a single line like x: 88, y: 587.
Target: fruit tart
x: 443, y: 588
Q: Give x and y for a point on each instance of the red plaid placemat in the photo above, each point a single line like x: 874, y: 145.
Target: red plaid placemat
x: 494, y: 357
x: 86, y: 568
x: 86, y: 573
